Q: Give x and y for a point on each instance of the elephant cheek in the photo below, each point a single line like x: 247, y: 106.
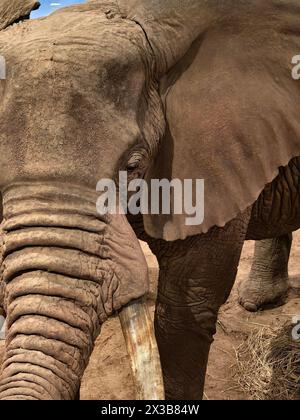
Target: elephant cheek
x: 60, y: 284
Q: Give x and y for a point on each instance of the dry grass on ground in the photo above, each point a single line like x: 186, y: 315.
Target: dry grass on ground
x: 269, y: 364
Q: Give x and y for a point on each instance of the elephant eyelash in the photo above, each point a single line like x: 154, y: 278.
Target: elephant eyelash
x: 133, y: 162
x: 132, y: 166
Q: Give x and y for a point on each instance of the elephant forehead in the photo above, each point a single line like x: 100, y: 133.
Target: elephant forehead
x: 83, y: 55
x: 85, y: 43
x: 69, y: 93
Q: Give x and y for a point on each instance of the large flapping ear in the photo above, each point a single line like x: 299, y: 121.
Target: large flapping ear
x: 170, y: 25
x: 12, y: 11
x: 232, y: 105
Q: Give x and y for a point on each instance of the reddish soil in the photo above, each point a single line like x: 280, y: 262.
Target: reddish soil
x: 108, y: 375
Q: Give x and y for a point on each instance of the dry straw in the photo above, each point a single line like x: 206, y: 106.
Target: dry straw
x: 269, y: 364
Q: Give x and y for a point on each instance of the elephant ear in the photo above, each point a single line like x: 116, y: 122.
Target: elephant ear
x: 12, y: 11
x: 231, y: 103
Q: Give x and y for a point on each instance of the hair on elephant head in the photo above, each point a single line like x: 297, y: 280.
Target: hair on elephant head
x: 160, y: 89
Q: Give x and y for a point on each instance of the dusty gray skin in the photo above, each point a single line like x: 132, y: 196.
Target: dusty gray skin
x: 170, y: 89
x: 268, y: 281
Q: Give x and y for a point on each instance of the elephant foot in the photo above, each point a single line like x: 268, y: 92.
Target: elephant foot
x: 268, y: 280
x: 256, y: 294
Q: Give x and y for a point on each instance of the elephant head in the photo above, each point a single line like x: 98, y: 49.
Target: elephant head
x: 160, y: 89
x: 65, y: 268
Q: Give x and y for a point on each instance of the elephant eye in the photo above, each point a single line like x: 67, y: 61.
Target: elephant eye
x: 132, y: 166
x: 133, y: 163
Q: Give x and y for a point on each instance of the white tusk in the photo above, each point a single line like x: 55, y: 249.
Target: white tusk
x: 2, y: 327
x: 143, y: 352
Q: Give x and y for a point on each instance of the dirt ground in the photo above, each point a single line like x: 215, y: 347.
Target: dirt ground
x: 108, y: 375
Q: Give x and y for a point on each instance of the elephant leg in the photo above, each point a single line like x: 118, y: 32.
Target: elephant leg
x: 268, y: 280
x: 196, y: 277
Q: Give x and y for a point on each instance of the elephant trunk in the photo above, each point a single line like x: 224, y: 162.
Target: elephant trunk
x: 49, y: 339
x: 65, y: 269
x: 53, y: 273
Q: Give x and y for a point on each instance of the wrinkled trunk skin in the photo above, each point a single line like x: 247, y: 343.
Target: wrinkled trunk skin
x: 61, y: 279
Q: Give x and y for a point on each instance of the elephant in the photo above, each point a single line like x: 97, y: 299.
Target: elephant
x: 268, y: 282
x: 173, y: 89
